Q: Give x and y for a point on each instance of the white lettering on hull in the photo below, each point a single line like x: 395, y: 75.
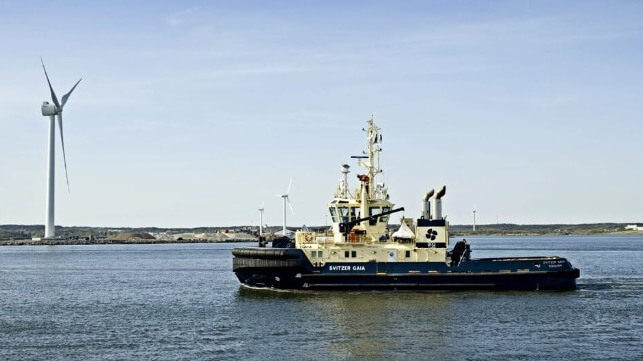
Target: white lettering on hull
x: 555, y: 263
x: 347, y: 268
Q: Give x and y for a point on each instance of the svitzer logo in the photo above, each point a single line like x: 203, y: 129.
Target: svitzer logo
x: 431, y: 234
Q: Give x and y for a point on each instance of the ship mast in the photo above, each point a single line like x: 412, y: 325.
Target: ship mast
x: 372, y: 159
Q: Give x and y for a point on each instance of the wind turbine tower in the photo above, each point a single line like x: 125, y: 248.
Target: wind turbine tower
x: 52, y: 111
x: 286, y: 200
x: 474, y: 220
x: 261, y: 220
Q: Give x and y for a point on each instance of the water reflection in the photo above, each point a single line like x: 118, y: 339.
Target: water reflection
x: 370, y: 325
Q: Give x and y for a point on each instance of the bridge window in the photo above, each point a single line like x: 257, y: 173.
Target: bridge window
x: 353, y: 254
x: 355, y: 213
x: 385, y: 218
x: 372, y: 211
x: 343, y: 214
x: 347, y: 254
x: 333, y: 214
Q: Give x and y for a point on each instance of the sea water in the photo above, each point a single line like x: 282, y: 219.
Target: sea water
x: 183, y: 302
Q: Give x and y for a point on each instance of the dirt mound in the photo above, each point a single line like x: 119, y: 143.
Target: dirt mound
x: 127, y: 236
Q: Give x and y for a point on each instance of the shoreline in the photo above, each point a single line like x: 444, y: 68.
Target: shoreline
x: 74, y: 242
x: 536, y: 234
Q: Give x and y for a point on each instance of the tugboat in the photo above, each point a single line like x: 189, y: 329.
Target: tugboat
x: 362, y: 254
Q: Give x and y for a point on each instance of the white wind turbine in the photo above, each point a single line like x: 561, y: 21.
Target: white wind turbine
x: 53, y: 110
x: 286, y: 200
x: 474, y: 217
x: 261, y: 220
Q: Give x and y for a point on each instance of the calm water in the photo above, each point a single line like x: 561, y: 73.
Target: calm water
x: 182, y: 302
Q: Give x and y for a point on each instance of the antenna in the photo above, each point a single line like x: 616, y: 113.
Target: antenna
x: 345, y: 171
x: 370, y: 158
x: 54, y: 111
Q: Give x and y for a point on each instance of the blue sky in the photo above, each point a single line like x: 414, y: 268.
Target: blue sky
x: 194, y: 113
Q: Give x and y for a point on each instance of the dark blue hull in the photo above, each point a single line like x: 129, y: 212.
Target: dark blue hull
x: 290, y: 269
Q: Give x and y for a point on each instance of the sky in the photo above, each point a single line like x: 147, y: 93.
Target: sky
x: 195, y: 113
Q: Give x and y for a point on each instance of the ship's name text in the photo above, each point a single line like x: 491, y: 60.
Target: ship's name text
x: 346, y: 268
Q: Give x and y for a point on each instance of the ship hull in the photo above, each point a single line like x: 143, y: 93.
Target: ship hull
x: 290, y: 269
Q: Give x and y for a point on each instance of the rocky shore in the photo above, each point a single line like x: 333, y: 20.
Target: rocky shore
x: 58, y: 242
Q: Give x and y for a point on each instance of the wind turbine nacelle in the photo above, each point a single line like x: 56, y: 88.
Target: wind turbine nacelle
x: 48, y: 109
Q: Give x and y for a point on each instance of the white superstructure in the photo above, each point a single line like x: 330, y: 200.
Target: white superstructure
x: 360, y: 219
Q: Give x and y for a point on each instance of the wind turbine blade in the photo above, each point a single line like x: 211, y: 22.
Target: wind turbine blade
x: 290, y: 205
x: 62, y: 141
x: 289, y: 184
x: 53, y: 94
x: 66, y: 96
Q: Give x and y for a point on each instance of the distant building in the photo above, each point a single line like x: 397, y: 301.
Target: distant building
x: 634, y: 227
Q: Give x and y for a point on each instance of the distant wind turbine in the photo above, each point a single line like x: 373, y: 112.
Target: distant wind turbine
x: 52, y: 111
x: 474, y: 218
x: 286, y: 200
x: 261, y: 220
